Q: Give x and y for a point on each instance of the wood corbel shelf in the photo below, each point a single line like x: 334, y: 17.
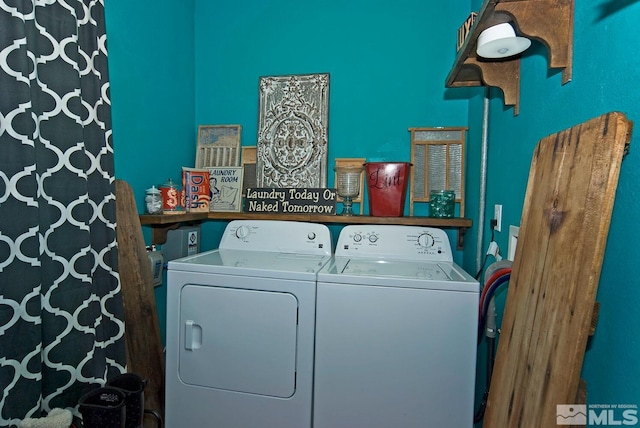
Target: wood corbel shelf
x: 548, y: 21
x: 161, y: 224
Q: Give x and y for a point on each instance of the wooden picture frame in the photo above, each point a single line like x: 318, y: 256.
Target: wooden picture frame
x: 248, y: 163
x: 352, y: 162
x: 225, y: 184
x: 438, y: 158
x: 218, y: 145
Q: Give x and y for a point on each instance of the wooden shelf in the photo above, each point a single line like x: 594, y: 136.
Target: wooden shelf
x: 161, y: 224
x: 170, y: 219
x: 548, y: 21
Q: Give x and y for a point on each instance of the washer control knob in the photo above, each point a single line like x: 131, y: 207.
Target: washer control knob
x: 425, y: 240
x: 357, y: 237
x: 311, y: 236
x: 242, y: 232
x: 373, y: 238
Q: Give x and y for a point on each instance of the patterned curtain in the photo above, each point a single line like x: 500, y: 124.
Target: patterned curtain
x: 61, y: 314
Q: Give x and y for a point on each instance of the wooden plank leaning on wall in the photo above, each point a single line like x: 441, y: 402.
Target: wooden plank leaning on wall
x: 142, y: 330
x: 554, y: 280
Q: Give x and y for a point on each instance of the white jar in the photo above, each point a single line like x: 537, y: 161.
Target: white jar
x: 153, y: 201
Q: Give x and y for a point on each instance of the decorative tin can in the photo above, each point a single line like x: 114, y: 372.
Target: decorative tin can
x: 170, y: 198
x: 387, y: 187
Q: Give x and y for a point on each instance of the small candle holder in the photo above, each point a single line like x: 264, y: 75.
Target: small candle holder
x: 348, y: 186
x: 442, y: 203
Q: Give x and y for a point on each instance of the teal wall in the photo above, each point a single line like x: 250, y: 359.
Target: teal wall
x: 387, y: 61
x: 176, y: 65
x: 151, y: 67
x: 387, y: 67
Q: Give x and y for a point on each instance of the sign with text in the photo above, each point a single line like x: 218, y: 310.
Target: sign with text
x: 465, y: 29
x: 291, y: 201
x: 225, y: 184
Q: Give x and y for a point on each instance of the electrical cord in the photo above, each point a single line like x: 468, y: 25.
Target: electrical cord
x: 484, y: 262
x: 485, y: 396
x: 486, y: 256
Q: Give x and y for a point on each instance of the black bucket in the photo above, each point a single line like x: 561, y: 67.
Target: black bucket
x: 132, y: 386
x: 103, y: 408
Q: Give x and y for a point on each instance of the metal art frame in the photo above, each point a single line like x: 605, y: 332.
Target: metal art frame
x: 293, y: 131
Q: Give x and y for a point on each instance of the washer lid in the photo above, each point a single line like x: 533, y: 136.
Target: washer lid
x: 399, y: 269
x: 398, y: 273
x: 253, y: 263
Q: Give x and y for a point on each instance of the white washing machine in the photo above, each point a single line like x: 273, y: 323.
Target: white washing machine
x: 396, y: 332
x: 240, y: 328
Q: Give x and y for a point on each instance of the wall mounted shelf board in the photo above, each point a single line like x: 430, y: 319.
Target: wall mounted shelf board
x: 161, y: 224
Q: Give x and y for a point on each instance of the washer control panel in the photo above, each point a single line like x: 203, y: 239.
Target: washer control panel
x: 277, y: 236
x: 394, y: 242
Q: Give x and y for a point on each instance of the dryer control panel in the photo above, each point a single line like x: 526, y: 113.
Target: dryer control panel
x: 394, y: 242
x: 277, y: 236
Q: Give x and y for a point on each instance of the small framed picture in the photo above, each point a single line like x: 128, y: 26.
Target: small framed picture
x: 248, y: 163
x: 218, y: 145
x: 225, y: 189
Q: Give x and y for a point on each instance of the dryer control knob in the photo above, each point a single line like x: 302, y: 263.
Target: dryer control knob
x: 242, y: 232
x: 311, y: 236
x: 373, y: 238
x: 357, y: 237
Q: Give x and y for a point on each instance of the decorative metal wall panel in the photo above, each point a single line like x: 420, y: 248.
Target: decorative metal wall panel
x: 293, y: 131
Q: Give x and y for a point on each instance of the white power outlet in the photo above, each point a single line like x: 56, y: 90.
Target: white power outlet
x: 497, y: 215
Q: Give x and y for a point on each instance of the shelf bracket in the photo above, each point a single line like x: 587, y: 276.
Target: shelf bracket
x: 159, y: 232
x: 550, y: 22
x: 504, y: 75
x: 460, y: 243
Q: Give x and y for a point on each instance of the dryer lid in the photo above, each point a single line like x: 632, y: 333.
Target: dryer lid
x: 252, y: 263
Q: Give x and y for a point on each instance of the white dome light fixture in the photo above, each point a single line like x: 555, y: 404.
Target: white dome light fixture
x: 500, y: 41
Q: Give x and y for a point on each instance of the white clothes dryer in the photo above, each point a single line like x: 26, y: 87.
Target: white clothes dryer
x: 240, y: 327
x: 396, y: 332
